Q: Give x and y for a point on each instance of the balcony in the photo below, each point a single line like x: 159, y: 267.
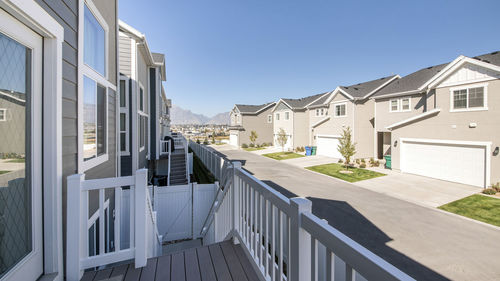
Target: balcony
x: 246, y: 227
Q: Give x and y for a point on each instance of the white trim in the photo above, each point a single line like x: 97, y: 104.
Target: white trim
x: 124, y: 110
x: 324, y: 94
x: 413, y: 118
x: 390, y: 105
x: 320, y: 122
x: 95, y: 12
x: 335, y: 109
x: 405, y: 93
x: 276, y: 105
x: 467, y: 108
x: 139, y: 115
x: 485, y: 144
x: 328, y: 136
x: 335, y: 92
x: 287, y: 115
x: 400, y: 104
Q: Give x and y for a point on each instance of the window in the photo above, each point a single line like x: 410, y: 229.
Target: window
x: 269, y: 118
x: 3, y: 114
x: 124, y: 121
x: 287, y: 115
x: 94, y: 47
x: 317, y: 112
x: 94, y: 119
x: 320, y: 112
x: 277, y: 117
x: 400, y: 105
x: 238, y: 118
x: 469, y: 99
x: 340, y: 110
x: 142, y: 131
x: 394, y: 105
x: 141, y: 99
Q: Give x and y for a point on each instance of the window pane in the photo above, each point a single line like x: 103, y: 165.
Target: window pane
x: 101, y: 120
x: 141, y: 131
x: 342, y: 110
x: 141, y: 100
x: 394, y: 105
x: 460, y: 99
x: 287, y: 115
x: 122, y: 94
x: 277, y: 116
x: 123, y: 139
x: 122, y: 122
x: 405, y: 104
x: 476, y: 97
x: 89, y: 118
x: 94, y: 46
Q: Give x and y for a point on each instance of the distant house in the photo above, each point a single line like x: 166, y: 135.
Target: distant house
x: 248, y: 118
x: 346, y: 106
x: 292, y: 116
x: 442, y: 121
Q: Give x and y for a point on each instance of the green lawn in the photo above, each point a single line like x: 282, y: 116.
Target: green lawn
x: 253, y: 148
x: 283, y: 155
x: 4, y: 172
x: 478, y: 207
x: 18, y: 160
x: 334, y: 169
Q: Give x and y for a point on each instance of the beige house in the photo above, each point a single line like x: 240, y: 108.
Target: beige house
x: 346, y: 106
x: 247, y: 118
x: 292, y: 116
x: 442, y: 121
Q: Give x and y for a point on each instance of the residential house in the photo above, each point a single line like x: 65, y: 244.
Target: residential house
x: 346, y: 106
x: 441, y: 121
x: 141, y: 75
x: 65, y: 52
x: 247, y: 118
x: 292, y: 116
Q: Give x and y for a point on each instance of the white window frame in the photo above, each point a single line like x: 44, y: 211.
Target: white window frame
x: 125, y: 110
x: 467, y: 108
x: 317, y: 112
x: 399, y: 102
x: 390, y: 105
x: 139, y: 115
x: 270, y: 118
x: 4, y: 115
x: 85, y: 70
x: 287, y: 115
x: 335, y: 109
x: 277, y: 117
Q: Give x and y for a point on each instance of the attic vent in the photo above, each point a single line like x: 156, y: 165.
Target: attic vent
x: 430, y: 67
x: 355, y: 88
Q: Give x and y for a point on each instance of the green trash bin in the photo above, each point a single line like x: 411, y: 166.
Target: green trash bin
x: 313, y: 150
x: 388, y: 161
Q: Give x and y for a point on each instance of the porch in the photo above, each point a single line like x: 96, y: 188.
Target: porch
x: 220, y: 261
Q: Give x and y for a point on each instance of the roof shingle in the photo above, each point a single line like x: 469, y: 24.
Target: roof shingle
x: 250, y: 108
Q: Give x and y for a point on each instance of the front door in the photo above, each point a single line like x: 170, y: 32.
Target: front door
x: 21, y: 249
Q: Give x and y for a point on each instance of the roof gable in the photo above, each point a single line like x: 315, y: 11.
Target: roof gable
x: 252, y: 109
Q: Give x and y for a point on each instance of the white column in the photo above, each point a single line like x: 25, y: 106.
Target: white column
x: 140, y: 218
x: 300, y: 241
x: 76, y: 220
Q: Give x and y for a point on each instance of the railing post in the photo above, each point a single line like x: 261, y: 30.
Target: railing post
x: 236, y: 196
x: 140, y: 217
x: 300, y: 241
x: 76, y: 225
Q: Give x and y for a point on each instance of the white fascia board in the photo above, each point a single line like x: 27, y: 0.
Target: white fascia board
x: 442, y: 72
x: 276, y: 105
x: 327, y: 93
x: 265, y: 107
x: 441, y: 141
x: 320, y: 122
x: 381, y: 86
x: 140, y: 37
x: 335, y: 92
x: 417, y: 91
x: 414, y: 118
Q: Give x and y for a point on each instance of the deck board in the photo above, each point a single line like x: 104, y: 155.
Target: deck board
x: 217, y: 262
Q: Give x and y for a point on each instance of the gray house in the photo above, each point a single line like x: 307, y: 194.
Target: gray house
x: 247, y: 118
x: 74, y: 45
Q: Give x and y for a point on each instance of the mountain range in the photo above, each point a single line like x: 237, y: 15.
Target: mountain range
x: 179, y: 116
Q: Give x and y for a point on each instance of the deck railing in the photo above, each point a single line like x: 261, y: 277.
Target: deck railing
x: 145, y: 241
x: 282, y: 236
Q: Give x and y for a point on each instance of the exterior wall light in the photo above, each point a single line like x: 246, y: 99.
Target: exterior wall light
x: 495, y: 152
x: 395, y: 143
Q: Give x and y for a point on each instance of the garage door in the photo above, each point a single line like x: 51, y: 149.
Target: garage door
x: 462, y: 163
x: 328, y: 146
x: 233, y: 139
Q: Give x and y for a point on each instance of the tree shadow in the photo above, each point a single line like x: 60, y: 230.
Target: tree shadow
x: 342, y: 216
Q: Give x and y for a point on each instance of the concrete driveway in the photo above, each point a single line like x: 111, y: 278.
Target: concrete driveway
x: 426, y: 243
x: 417, y: 189
x: 309, y: 161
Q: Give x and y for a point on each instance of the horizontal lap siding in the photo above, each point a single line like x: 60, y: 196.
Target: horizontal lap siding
x: 124, y: 54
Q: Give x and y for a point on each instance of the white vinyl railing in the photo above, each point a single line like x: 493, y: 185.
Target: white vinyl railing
x: 145, y: 241
x: 282, y: 236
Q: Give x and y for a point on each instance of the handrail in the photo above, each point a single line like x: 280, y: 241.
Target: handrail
x: 281, y: 235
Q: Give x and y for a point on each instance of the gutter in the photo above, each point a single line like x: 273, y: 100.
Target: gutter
x: 414, y: 118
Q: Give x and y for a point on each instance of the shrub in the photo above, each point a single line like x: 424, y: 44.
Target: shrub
x: 496, y: 186
x: 357, y: 161
x: 270, y: 144
x: 376, y: 163
x: 372, y: 161
x: 490, y: 191
x: 363, y: 165
x: 244, y: 145
x: 198, y: 141
x: 362, y: 160
x: 252, y: 145
x: 263, y: 144
x: 340, y: 161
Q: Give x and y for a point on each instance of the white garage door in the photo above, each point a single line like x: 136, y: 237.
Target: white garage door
x: 233, y: 139
x: 328, y: 146
x: 462, y: 163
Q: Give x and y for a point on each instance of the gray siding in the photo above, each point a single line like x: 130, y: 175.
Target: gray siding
x: 124, y: 54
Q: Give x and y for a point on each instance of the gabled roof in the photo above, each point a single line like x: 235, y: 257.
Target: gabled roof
x: 365, y: 89
x: 303, y: 102
x: 319, y: 102
x: 418, y: 81
x: 159, y: 60
x: 252, y: 109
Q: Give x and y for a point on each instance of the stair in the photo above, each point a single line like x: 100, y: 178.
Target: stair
x: 178, y: 168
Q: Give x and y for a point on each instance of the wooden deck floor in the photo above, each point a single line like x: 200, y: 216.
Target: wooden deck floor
x: 218, y: 262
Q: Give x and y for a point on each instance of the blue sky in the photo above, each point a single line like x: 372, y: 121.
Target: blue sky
x: 219, y: 53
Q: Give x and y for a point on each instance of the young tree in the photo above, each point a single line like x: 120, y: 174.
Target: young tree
x: 346, y: 147
x: 282, y: 138
x: 253, y: 136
